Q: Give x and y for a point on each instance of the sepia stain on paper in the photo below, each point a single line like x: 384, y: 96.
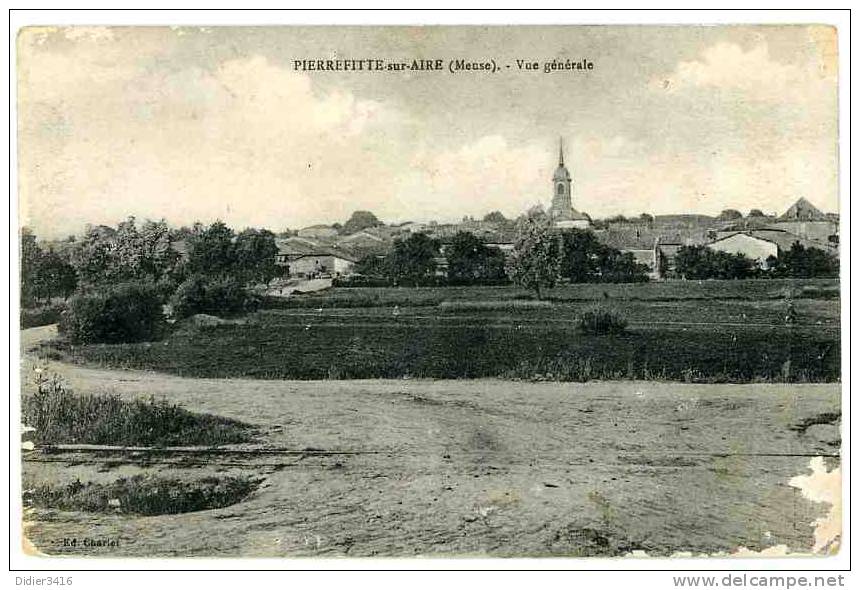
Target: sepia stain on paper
x: 821, y: 486
x: 824, y: 40
x: 27, y: 546
x: 825, y: 487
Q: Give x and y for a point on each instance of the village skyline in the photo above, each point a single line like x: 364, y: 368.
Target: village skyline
x: 201, y: 124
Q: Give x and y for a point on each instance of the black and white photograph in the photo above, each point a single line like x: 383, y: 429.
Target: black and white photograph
x: 443, y: 291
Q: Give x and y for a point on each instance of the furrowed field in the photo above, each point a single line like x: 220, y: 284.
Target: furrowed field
x: 709, y: 331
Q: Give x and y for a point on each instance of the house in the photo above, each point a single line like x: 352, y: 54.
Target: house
x: 317, y: 231
x: 760, y: 244
x: 807, y: 221
x: 665, y: 250
x: 361, y: 244
x: 751, y: 246
x: 323, y: 264
x: 645, y: 257
x: 414, y: 227
x: 802, y: 210
x: 302, y: 257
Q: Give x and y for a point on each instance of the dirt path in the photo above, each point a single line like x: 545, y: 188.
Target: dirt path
x: 477, y: 467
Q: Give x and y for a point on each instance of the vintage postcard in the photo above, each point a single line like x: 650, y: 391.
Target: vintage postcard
x: 448, y: 291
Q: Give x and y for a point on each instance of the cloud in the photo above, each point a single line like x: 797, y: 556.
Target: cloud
x: 754, y: 74
x: 176, y: 123
x: 250, y: 142
x: 477, y: 177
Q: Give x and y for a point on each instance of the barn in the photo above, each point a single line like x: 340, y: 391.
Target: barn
x: 320, y: 265
x: 760, y: 244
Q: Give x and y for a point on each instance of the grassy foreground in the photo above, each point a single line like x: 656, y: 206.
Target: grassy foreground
x: 57, y: 416
x: 142, y: 495
x: 483, y: 467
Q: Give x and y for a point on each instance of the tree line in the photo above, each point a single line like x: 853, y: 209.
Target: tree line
x: 118, y: 280
x: 540, y: 257
x: 798, y: 262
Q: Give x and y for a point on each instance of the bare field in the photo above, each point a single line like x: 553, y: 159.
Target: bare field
x: 479, y: 467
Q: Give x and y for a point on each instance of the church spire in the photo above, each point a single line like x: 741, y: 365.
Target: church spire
x: 560, y: 152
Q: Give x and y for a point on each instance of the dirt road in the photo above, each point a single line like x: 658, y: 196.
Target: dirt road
x: 476, y: 467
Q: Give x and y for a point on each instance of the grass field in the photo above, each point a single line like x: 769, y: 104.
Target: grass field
x: 750, y: 290
x: 709, y: 331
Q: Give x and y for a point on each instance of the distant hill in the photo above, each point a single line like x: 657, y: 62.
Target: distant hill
x: 684, y: 220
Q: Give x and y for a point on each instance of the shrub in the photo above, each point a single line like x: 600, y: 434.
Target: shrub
x: 42, y: 316
x: 198, y: 294
x: 599, y: 321
x: 129, y: 312
x: 146, y: 495
x: 700, y: 262
x: 59, y: 416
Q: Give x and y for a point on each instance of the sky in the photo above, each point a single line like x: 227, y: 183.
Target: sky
x: 201, y: 124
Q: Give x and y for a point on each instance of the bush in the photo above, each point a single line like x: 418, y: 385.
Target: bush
x: 198, y: 294
x: 146, y: 495
x: 59, y: 416
x: 600, y: 321
x: 700, y: 262
x: 129, y: 312
x: 42, y: 316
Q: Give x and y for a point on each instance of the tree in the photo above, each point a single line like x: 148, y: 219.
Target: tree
x: 580, y: 255
x: 211, y: 250
x: 495, y: 217
x: 535, y: 212
x: 755, y: 213
x: 412, y: 259
x: 93, y: 256
x: 534, y: 262
x: 586, y: 260
x: 107, y: 256
x: 700, y: 262
x: 158, y: 257
x: 54, y: 277
x: 372, y: 265
x: 218, y: 295
x: 802, y: 262
x: 620, y: 267
x: 471, y: 261
x: 44, y: 274
x: 729, y: 215
x: 126, y: 312
x: 360, y: 220
x: 255, y: 254
x: 31, y: 254
x: 646, y: 218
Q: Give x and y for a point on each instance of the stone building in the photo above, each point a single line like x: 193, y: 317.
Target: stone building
x: 562, y: 213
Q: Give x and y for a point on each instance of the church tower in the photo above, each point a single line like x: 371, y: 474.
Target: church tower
x: 561, y: 189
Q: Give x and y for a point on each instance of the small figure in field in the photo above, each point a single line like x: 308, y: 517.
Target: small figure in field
x: 790, y: 314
